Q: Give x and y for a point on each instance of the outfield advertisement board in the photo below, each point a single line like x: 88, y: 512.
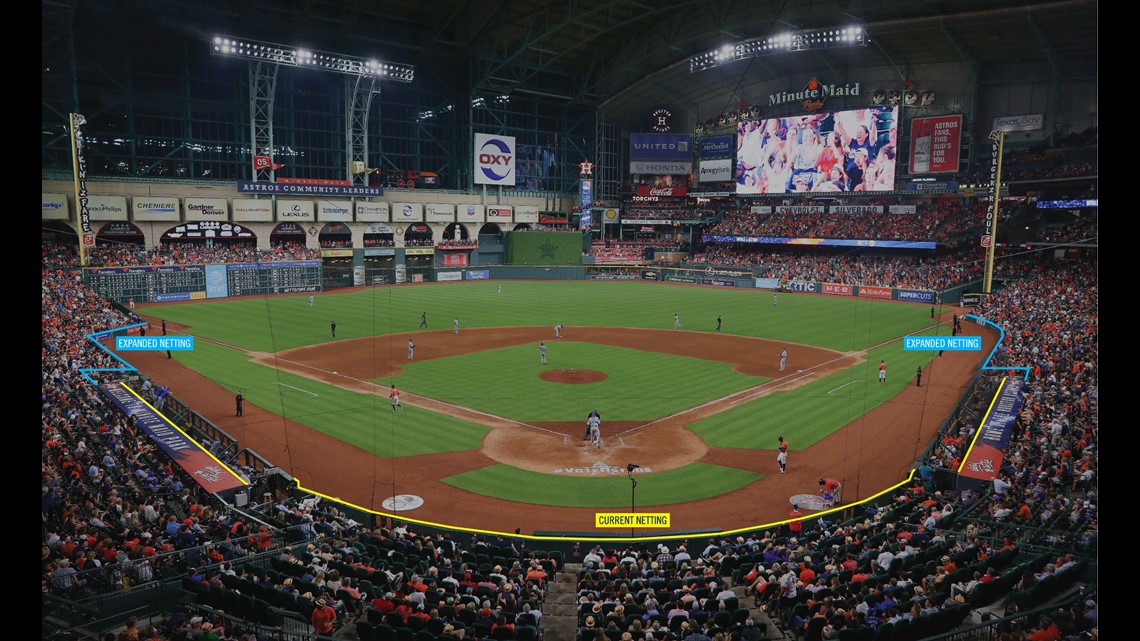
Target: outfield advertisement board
x: 477, y: 274
x: 721, y: 282
x: 448, y: 276
x: 767, y: 283
x: 916, y: 295
x: 870, y: 291
x: 839, y: 289
x: 799, y: 286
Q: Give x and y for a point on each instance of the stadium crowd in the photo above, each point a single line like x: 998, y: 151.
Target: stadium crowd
x: 192, y: 254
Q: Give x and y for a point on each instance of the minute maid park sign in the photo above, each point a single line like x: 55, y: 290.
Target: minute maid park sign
x: 813, y: 94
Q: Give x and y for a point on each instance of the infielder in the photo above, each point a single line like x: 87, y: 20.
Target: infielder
x: 394, y: 395
x: 882, y: 371
x: 676, y: 321
x: 782, y: 459
x: 783, y: 358
x: 542, y: 352
x: 411, y: 349
x: 558, y: 331
x: 455, y: 324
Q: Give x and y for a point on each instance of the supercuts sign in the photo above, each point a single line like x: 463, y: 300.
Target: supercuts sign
x: 494, y: 158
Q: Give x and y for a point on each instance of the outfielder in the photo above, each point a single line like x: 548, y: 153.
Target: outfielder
x: 882, y: 371
x: 455, y: 324
x: 676, y: 321
x: 542, y: 352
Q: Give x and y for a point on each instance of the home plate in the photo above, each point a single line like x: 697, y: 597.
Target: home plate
x: 402, y: 502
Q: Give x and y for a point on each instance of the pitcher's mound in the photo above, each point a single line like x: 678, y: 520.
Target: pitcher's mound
x: 573, y: 376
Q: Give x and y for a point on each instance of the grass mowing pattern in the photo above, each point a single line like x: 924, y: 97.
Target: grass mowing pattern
x: 810, y: 413
x: 641, y: 385
x: 275, y: 323
x: 692, y: 482
x: 358, y: 419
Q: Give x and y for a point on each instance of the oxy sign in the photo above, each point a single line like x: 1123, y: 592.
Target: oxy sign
x: 494, y: 160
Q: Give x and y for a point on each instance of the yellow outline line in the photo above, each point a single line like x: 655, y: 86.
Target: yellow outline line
x: 190, y: 438
x: 601, y: 536
x: 978, y: 434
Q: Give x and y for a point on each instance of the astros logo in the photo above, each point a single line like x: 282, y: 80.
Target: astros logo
x: 489, y: 161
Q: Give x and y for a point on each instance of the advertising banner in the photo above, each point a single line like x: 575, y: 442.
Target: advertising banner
x: 916, y: 295
x: 469, y: 213
x: 800, y: 286
x: 494, y: 158
x: 715, y: 170
x: 107, y: 207
x: 1027, y: 122
x: 526, y: 214
x: 252, y: 210
x: 839, y: 289
x: 478, y: 274
x: 935, y: 144
x: 419, y: 251
x: 902, y: 209
x: 339, y: 211
x: 205, y: 209
x: 454, y: 259
x: 660, y: 167
x: 208, y: 471
x: 217, y: 285
x: 722, y: 282
x: 985, y: 456
x: 307, y: 189
x: 971, y: 299
x: 499, y: 214
x: 369, y: 212
x: 760, y: 210
x: 669, y: 192
x: 796, y: 210
x: 385, y: 251
x: 53, y: 206
x: 586, y: 218
x: 767, y: 283
x: 296, y: 210
x: 438, y: 213
x: 717, y: 147
x: 675, y: 147
x: 158, y: 208
x: 856, y: 209
x: 870, y: 291
x: 446, y: 276
x: 407, y: 212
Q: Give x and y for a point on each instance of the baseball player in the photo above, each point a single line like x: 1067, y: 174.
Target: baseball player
x: 829, y: 490
x: 332, y: 328
x: 882, y: 371
x: 542, y: 352
x: 411, y: 349
x: 558, y: 331
x: 676, y: 321
x: 394, y: 395
x: 594, y: 428
x: 718, y: 322
x: 773, y: 300
x: 455, y: 324
x: 423, y: 320
x: 500, y: 287
x: 312, y: 301
x: 783, y: 357
x: 782, y: 456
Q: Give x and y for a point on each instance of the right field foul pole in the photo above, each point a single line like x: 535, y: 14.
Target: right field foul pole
x: 990, y: 236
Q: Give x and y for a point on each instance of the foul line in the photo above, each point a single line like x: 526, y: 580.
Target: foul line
x: 858, y: 380
x: 298, y: 389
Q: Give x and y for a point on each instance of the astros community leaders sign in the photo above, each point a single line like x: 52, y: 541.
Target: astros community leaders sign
x: 625, y: 519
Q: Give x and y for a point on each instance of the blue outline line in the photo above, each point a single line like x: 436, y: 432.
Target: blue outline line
x: 128, y: 368
x: 993, y: 352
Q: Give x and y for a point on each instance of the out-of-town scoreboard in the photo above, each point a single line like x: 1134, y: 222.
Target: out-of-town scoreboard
x: 163, y: 283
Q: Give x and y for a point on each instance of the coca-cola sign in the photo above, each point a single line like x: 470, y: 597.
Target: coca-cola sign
x: 675, y: 192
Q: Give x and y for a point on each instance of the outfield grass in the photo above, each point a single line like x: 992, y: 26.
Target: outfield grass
x: 363, y: 420
x: 275, y: 323
x: 640, y: 385
x: 692, y: 482
x: 807, y: 414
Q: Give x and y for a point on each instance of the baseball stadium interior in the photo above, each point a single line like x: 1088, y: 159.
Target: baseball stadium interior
x: 597, y: 183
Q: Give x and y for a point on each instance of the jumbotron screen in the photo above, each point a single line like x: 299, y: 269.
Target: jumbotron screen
x: 852, y: 150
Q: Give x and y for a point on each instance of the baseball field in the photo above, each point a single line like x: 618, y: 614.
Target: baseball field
x: 490, y: 438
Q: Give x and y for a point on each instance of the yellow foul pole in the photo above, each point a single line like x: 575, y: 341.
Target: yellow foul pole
x: 988, y: 240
